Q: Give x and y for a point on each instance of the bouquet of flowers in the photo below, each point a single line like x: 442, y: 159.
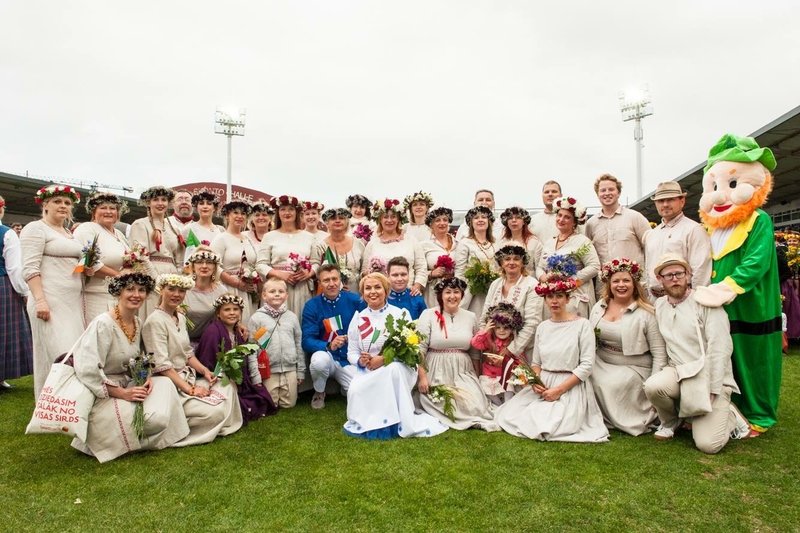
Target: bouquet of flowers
x: 135, y: 258
x: 567, y: 264
x: 402, y: 342
x: 140, y: 368
x: 297, y: 262
x: 523, y: 374
x: 90, y: 256
x: 443, y: 393
x: 446, y: 262
x: 377, y: 264
x: 363, y: 232
x: 332, y: 258
x: 231, y: 362
x: 479, y: 275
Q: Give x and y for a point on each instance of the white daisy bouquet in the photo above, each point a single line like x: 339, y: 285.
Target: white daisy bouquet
x: 402, y: 342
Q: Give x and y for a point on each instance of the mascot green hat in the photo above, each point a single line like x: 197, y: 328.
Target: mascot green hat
x: 741, y: 150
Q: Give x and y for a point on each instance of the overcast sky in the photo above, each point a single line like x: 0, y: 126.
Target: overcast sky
x: 386, y: 98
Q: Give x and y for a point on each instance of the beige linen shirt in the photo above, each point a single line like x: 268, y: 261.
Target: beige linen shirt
x: 682, y: 236
x: 620, y: 235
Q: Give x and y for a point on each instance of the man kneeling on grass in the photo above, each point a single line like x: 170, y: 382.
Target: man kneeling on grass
x: 325, y: 321
x: 697, y: 383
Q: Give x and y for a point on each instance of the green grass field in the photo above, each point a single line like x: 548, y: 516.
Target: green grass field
x: 297, y: 471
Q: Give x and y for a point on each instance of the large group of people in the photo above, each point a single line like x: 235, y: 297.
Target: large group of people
x: 547, y: 327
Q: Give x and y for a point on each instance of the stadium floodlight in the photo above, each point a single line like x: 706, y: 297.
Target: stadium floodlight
x: 229, y: 122
x: 635, y: 104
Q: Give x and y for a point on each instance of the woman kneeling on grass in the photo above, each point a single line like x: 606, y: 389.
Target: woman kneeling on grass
x: 211, y: 409
x: 101, y: 358
x: 563, y: 408
x: 379, y: 403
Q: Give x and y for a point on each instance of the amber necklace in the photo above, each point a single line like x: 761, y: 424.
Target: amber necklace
x: 118, y: 319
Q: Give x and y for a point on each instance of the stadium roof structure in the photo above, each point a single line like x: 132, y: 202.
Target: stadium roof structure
x: 782, y: 135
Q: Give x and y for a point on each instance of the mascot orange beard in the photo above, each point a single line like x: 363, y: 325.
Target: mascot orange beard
x: 723, y: 205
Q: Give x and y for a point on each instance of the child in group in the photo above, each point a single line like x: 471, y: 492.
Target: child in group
x: 254, y: 399
x: 503, y: 322
x: 400, y: 295
x: 281, y: 339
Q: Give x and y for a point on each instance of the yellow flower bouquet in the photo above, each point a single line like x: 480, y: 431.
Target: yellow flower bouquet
x: 402, y: 342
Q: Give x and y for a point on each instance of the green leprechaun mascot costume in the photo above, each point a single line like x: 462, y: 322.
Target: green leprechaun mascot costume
x: 736, y: 182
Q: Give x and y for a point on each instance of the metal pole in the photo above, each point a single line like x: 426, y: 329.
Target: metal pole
x: 638, y: 135
x: 229, y: 191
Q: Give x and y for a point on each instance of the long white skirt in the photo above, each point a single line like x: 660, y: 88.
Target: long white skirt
x: 574, y: 417
x: 379, y: 405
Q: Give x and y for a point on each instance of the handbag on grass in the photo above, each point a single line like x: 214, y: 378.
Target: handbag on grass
x: 64, y: 404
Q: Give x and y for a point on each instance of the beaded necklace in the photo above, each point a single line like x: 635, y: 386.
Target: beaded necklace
x: 118, y: 319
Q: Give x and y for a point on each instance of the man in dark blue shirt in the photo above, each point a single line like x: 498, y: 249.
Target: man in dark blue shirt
x: 400, y: 294
x: 325, y: 321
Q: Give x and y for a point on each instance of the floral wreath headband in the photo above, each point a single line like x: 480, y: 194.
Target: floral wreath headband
x: 99, y: 198
x: 277, y: 202
x: 228, y: 299
x: 262, y: 207
x: 310, y: 206
x: 568, y: 202
x: 205, y: 256
x: 511, y: 250
x: 433, y: 214
x: 49, y: 191
x: 622, y: 264
x: 478, y: 210
x: 507, y: 315
x: 381, y: 207
x: 339, y: 212
x: 450, y: 283
x: 244, y: 207
x: 515, y: 212
x: 155, y: 192
x: 358, y: 199
x: 174, y: 280
x: 420, y: 196
x: 206, y: 195
x: 123, y: 281
x: 556, y: 283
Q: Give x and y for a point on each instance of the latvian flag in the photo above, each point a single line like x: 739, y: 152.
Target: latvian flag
x: 332, y: 327
x: 365, y: 328
x: 261, y: 337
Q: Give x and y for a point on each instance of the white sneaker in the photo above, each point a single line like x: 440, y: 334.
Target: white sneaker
x: 318, y: 400
x: 664, y: 433
x: 742, y: 428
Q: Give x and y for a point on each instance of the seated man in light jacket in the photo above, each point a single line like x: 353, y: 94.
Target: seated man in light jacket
x: 697, y: 383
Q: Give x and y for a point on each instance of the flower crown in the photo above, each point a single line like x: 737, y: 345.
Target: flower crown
x: 556, y: 283
x: 478, y: 210
x: 203, y: 255
x: 319, y: 206
x: 228, y: 299
x: 515, y: 212
x: 262, y: 207
x: 623, y: 264
x: 155, y: 192
x: 284, y: 199
x: 568, y: 202
x: 99, y: 198
x: 381, y: 207
x: 236, y: 204
x: 337, y: 212
x: 511, y: 250
x: 205, y: 194
x: 174, y: 280
x: 49, y: 191
x: 358, y: 199
x: 117, y: 284
x: 433, y: 214
x: 420, y: 196
x: 450, y: 283
x: 507, y: 315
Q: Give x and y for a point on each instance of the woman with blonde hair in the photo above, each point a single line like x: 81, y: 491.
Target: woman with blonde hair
x: 629, y: 348
x: 49, y: 256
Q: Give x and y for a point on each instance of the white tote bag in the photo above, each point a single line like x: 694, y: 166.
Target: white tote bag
x: 63, y: 405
